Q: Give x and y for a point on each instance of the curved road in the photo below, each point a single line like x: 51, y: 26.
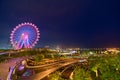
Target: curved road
x: 46, y: 70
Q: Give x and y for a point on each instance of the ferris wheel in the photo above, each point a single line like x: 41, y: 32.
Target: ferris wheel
x: 25, y: 35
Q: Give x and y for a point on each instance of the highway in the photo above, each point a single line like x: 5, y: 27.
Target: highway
x: 49, y: 68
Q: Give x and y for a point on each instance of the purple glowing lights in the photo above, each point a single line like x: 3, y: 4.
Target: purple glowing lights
x: 25, y: 35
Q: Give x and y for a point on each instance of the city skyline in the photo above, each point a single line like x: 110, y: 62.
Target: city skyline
x: 65, y: 23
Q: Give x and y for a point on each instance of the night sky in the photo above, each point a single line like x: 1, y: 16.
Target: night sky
x: 64, y: 23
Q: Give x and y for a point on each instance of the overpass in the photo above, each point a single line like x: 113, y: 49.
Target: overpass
x: 49, y: 68
x: 8, y: 52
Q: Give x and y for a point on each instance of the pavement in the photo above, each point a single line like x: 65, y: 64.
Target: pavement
x: 4, y: 67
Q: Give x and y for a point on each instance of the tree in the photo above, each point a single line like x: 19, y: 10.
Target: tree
x: 55, y: 76
x: 95, y: 69
x: 110, y: 68
x: 81, y: 74
x: 39, y: 57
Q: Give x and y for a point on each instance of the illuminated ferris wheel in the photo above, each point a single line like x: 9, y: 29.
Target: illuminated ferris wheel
x: 25, y: 35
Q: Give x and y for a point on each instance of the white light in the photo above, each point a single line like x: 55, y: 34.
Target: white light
x: 91, y: 52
